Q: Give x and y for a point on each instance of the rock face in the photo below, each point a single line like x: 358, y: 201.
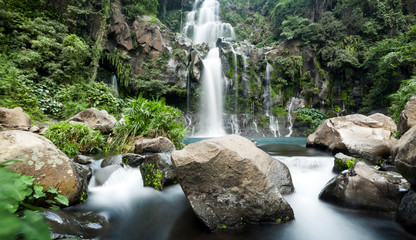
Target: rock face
x: 355, y: 135
x: 406, y: 215
x: 153, y: 145
x: 15, y: 117
x: 407, y: 118
x: 404, y: 154
x: 363, y: 187
x: 225, y: 180
x: 44, y: 161
x: 95, y: 119
x: 67, y: 224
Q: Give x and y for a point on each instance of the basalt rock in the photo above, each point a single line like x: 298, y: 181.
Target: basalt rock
x: 407, y: 118
x: 226, y: 182
x: 153, y: 145
x: 44, y: 162
x: 363, y: 187
x: 355, y: 135
x: 404, y: 154
x: 95, y: 119
x: 406, y: 214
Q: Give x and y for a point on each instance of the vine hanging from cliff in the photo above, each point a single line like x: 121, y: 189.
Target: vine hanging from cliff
x: 123, y: 70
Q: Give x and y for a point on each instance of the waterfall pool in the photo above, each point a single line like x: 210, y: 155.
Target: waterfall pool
x: 137, y: 212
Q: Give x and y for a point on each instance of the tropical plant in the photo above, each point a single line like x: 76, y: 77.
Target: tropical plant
x: 147, y: 118
x: 152, y: 176
x: 18, y: 194
x: 310, y: 117
x: 399, y: 99
x: 74, y: 139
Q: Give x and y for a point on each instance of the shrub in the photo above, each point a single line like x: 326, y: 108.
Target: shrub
x: 74, y: 139
x: 148, y: 118
x: 81, y: 96
x: 310, y: 117
x: 399, y: 99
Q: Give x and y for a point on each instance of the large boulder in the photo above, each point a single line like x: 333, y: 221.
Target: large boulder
x: 226, y: 182
x: 404, y: 154
x: 387, y: 121
x: 153, y: 145
x: 355, y: 135
x: 406, y: 214
x: 95, y: 119
x: 44, y: 162
x: 75, y: 224
x: 363, y: 187
x: 15, y: 117
x: 407, y: 118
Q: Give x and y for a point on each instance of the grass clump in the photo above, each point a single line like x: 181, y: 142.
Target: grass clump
x: 73, y: 139
x: 147, y: 118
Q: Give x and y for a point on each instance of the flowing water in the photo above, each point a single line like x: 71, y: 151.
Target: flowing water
x: 137, y: 212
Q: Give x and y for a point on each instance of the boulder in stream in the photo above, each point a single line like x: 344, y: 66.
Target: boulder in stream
x: 363, y: 187
x: 44, y: 162
x: 153, y: 145
x: 404, y: 154
x: 406, y: 214
x: 407, y: 117
x: 226, y: 182
x: 355, y: 135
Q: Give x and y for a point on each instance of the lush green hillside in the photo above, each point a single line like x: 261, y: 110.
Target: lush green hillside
x: 364, y: 48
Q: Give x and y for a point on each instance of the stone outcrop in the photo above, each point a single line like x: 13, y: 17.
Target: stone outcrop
x: 404, y: 154
x: 44, y: 162
x: 355, y: 135
x: 153, y: 145
x: 226, y: 181
x: 14, y: 118
x: 407, y: 118
x: 95, y: 119
x: 79, y: 225
x: 406, y: 214
x: 363, y: 187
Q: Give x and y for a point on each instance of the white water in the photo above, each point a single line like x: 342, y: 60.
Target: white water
x: 203, y: 25
x: 289, y: 117
x: 273, y: 121
x: 211, y: 119
x: 114, y: 83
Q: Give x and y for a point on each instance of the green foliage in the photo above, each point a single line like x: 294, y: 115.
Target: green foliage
x: 341, y: 164
x: 122, y: 69
x: 152, y: 176
x: 310, y: 117
x: 135, y: 8
x: 78, y: 97
x: 148, y: 118
x: 18, y: 192
x: 73, y: 139
x: 399, y: 99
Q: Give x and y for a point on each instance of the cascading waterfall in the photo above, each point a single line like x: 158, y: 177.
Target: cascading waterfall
x: 114, y: 83
x: 274, y: 122
x: 289, y: 117
x: 203, y: 25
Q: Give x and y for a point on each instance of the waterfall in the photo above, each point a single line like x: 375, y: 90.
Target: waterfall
x: 203, y: 25
x: 114, y: 83
x: 289, y: 117
x: 274, y: 121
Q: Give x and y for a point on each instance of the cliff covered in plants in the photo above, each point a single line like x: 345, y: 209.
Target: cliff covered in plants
x: 338, y: 57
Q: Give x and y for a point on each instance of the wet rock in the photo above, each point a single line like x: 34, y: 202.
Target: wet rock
x: 43, y: 161
x: 153, y: 145
x: 226, y: 181
x: 101, y: 175
x: 404, y: 154
x: 130, y: 159
x: 81, y: 159
x: 72, y: 224
x: 95, y: 119
x: 15, y: 117
x: 279, y: 175
x: 343, y: 162
x: 406, y: 214
x: 363, y: 187
x: 163, y: 162
x: 355, y: 135
x: 407, y: 118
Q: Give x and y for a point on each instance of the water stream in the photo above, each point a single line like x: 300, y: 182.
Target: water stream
x: 137, y: 212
